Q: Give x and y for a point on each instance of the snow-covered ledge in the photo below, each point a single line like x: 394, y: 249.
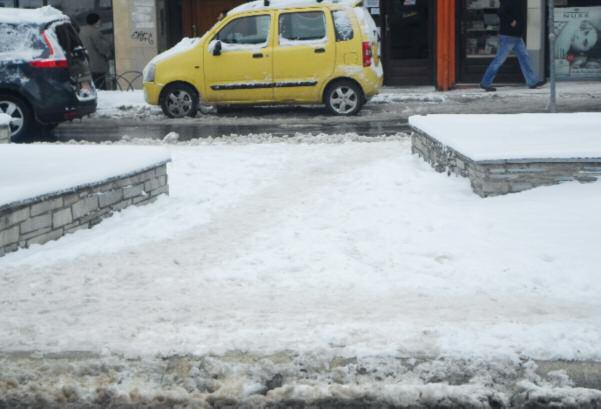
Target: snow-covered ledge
x: 49, y: 191
x: 4, y: 128
x: 510, y: 153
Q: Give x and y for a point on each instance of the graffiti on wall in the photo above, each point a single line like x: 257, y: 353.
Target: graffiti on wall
x: 143, y: 37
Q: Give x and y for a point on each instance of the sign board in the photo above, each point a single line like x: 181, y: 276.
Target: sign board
x: 578, y: 46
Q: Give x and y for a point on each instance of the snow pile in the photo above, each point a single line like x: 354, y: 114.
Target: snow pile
x: 521, y: 136
x: 125, y: 104
x: 48, y: 169
x: 39, y: 16
x: 186, y: 44
x: 279, y: 4
x: 5, y: 120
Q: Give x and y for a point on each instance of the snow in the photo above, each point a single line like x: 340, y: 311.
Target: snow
x: 325, y: 245
x: 40, y: 16
x: 519, y: 136
x: 5, y: 119
x: 185, y: 45
x: 27, y: 171
x: 278, y: 4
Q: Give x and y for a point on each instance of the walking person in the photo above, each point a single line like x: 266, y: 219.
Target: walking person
x: 511, y: 32
x: 99, y: 49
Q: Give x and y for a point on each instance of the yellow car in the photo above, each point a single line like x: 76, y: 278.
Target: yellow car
x: 266, y: 52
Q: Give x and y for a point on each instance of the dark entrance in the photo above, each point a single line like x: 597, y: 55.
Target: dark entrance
x: 408, y: 30
x: 478, y: 40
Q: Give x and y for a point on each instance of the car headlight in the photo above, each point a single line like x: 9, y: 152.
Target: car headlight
x: 149, y: 72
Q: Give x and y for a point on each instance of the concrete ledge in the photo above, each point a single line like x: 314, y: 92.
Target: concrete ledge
x: 498, y: 177
x: 40, y: 219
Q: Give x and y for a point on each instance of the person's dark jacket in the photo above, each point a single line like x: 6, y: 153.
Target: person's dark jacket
x: 512, y: 10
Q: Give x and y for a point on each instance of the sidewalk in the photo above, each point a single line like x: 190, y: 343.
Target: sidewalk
x: 392, y: 103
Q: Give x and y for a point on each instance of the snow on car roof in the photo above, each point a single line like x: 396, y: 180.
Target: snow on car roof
x: 275, y: 4
x: 42, y: 15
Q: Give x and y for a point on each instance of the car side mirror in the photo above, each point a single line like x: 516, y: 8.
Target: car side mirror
x: 217, y: 48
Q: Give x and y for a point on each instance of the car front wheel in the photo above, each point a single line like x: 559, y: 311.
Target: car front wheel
x: 22, y: 121
x: 179, y: 101
x: 344, y: 98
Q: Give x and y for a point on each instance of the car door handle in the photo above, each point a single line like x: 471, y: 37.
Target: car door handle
x: 320, y: 50
x: 258, y: 55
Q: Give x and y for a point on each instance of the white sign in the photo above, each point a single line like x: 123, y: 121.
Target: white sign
x: 578, y: 47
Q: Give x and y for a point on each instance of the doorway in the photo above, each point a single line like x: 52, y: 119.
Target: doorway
x: 198, y: 16
x: 408, y: 31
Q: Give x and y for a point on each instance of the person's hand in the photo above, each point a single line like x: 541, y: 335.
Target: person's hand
x: 514, y: 23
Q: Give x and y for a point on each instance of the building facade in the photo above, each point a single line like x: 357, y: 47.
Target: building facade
x: 444, y: 43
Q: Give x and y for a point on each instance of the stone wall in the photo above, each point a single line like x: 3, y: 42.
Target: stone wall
x: 4, y: 131
x: 49, y: 217
x: 498, y: 177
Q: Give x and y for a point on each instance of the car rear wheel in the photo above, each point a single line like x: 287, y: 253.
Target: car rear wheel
x: 179, y: 101
x: 344, y: 98
x: 22, y: 122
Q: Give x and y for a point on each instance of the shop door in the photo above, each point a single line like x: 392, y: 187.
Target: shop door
x: 408, y: 30
x: 478, y: 40
x: 198, y: 16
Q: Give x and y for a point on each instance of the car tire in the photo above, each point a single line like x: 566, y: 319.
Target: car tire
x: 179, y: 101
x: 343, y: 98
x: 23, y: 124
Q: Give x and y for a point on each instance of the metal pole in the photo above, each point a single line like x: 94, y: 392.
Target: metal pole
x: 552, y: 38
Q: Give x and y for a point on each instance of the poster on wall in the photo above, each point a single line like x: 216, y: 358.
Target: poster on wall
x: 578, y: 47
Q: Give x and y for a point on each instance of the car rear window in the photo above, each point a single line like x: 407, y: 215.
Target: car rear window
x: 68, y: 38
x: 20, y: 41
x: 343, y: 25
x: 304, y: 26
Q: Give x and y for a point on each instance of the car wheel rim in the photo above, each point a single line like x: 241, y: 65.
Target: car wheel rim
x: 344, y: 100
x: 179, y: 103
x: 16, y: 113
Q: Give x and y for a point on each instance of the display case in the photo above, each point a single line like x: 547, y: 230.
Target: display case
x: 478, y: 41
x: 481, y: 28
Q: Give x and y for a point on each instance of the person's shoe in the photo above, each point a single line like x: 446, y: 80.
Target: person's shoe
x: 488, y: 88
x: 538, y: 84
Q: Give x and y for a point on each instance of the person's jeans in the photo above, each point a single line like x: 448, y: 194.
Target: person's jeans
x: 506, y: 45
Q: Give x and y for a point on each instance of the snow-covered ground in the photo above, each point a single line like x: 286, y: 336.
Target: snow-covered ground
x: 310, y: 245
x: 28, y: 171
x: 523, y: 136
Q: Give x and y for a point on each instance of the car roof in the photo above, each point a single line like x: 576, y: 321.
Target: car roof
x: 282, y: 4
x: 40, y: 16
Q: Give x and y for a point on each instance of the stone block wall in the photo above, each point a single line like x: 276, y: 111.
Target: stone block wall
x: 4, y: 132
x: 498, y: 177
x: 49, y: 217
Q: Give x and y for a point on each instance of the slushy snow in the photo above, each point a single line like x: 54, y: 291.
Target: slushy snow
x: 354, y: 249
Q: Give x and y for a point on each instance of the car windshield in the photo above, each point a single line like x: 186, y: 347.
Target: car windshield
x: 20, y: 41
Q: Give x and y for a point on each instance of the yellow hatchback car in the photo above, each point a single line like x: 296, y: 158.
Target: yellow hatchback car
x: 273, y: 52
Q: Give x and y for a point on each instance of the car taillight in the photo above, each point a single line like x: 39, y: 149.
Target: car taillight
x: 49, y: 62
x: 367, y: 54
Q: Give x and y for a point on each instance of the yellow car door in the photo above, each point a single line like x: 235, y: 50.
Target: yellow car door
x: 303, y: 56
x: 238, y: 61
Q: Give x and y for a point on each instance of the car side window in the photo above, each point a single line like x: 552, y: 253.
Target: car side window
x: 343, y: 25
x: 302, y: 26
x: 20, y: 38
x: 246, y: 30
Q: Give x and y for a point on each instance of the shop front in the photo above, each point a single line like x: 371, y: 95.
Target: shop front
x: 445, y: 42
